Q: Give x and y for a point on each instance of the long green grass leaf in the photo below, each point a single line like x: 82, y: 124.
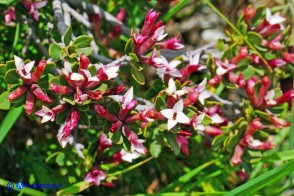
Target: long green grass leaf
x: 263, y: 180
x: 174, y: 10
x: 9, y: 121
x: 186, y: 177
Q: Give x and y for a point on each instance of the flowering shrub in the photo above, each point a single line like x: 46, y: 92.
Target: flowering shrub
x: 232, y: 104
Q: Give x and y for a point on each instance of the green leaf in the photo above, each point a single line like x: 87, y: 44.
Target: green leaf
x: 254, y: 38
x: 61, y: 117
x: 187, y: 177
x: 55, y: 51
x: 138, y: 76
x: 84, y: 118
x: 87, y: 51
x: 206, y: 120
x: 264, y: 180
x: 174, y: 10
x: 60, y: 159
x: 129, y: 46
x: 134, y: 57
x: 171, y: 140
x: 159, y: 103
x: 82, y: 41
x: 6, y: 2
x: 11, y: 77
x: 76, y: 188
x: 67, y: 35
x: 9, y: 120
x: 4, y: 102
x: 103, y: 88
x: 155, y: 149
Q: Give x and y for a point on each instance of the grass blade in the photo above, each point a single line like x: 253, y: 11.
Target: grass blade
x: 187, y: 177
x: 263, y: 180
x: 174, y: 10
x: 9, y: 121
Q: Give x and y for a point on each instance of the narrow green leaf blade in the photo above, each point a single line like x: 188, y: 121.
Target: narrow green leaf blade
x: 263, y: 180
x: 9, y: 121
x: 67, y: 35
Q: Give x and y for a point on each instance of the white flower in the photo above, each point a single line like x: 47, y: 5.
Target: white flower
x: 110, y: 71
x: 127, y: 98
x: 159, y: 34
x: 166, y: 67
x: 172, y: 90
x: 224, y: 67
x: 46, y: 113
x: 175, y: 115
x: 23, y: 69
x: 198, y: 122
x: 269, y: 98
x: 129, y: 157
x: 203, y: 94
x: 274, y: 19
x: 67, y: 68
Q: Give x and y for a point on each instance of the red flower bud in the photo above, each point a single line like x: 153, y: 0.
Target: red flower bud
x: 30, y: 100
x: 84, y: 61
x: 38, y: 71
x: 114, y: 91
x: 101, y: 111
x: 236, y: 158
x: 17, y: 92
x: 63, y: 90
x: 40, y: 94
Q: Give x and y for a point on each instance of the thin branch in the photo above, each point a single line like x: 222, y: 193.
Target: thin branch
x: 58, y: 16
x: 94, y: 9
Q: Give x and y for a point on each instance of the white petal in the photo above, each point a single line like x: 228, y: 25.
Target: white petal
x: 46, y: 118
x: 77, y: 77
x: 128, y: 97
x: 173, y: 64
x: 168, y: 113
x: 171, y: 86
x: 28, y: 67
x: 200, y: 127
x: 203, y: 95
x: 182, y: 118
x: 67, y: 66
x: 194, y: 60
x: 216, y: 118
x: 221, y: 71
x: 268, y: 14
x: 161, y: 71
x: 129, y: 156
x: 200, y: 118
x: 175, y: 73
x: 179, y: 106
x: 19, y: 64
x: 202, y: 85
x: 40, y: 4
x: 171, y: 124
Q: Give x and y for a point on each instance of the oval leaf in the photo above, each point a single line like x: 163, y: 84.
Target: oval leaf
x: 82, y: 41
x: 138, y: 76
x: 55, y: 51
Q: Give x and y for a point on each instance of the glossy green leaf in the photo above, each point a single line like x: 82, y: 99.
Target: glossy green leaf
x: 84, y: 118
x: 87, y: 51
x: 138, y: 76
x: 11, y: 77
x: 155, y: 149
x: 82, y: 41
x: 67, y: 35
x: 4, y: 102
x: 171, y: 140
x: 55, y: 51
x: 254, y: 37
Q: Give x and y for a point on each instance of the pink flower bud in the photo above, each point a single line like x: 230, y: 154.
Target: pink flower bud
x: 9, y: 15
x: 243, y: 176
x: 276, y: 62
x: 84, y: 61
x: 287, y: 96
x: 215, y: 80
x: 150, y: 19
x: 255, y: 59
x: 30, y: 100
x: 116, y: 126
x: 63, y: 90
x: 191, y: 99
x: 183, y: 144
x: 114, y: 90
x: 38, y: 71
x: 101, y: 111
x: 37, y: 91
x: 288, y: 57
x: 96, y: 95
x: 279, y: 122
x: 213, y: 131
x: 275, y: 44
x: 70, y: 123
x: 242, y: 54
x: 17, y: 92
x: 265, y: 83
x: 236, y: 158
x: 104, y: 143
x: 171, y: 44
x: 121, y: 14
x: 249, y: 13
